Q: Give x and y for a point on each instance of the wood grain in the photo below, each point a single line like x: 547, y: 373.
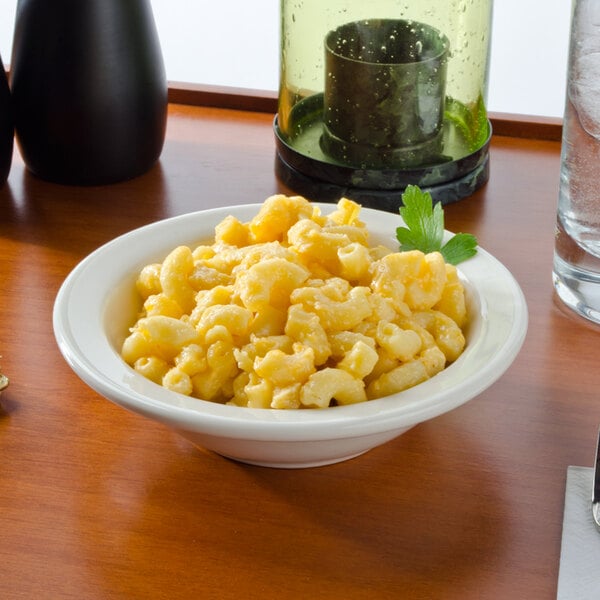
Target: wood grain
x: 99, y: 503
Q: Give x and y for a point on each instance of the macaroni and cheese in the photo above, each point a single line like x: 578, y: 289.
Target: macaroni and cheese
x: 294, y: 309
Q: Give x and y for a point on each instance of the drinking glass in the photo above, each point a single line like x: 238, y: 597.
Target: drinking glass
x: 576, y: 269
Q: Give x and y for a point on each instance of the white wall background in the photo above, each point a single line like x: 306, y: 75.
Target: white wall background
x: 236, y: 44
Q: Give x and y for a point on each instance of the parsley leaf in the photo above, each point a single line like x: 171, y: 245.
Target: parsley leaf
x: 459, y: 247
x: 424, y: 229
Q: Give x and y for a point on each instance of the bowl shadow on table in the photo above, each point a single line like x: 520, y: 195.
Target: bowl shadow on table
x: 322, y: 527
x: 397, y: 520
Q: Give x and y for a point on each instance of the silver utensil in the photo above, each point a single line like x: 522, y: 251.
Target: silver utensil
x: 596, y: 490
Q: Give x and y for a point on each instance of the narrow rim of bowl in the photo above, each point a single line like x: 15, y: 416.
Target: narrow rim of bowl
x: 79, y: 327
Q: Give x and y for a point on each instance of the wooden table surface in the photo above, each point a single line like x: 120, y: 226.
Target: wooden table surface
x: 99, y: 503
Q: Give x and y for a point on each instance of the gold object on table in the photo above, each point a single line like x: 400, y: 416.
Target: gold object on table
x: 3, y: 381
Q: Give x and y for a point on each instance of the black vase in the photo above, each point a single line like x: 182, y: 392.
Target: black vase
x: 89, y: 89
x: 7, y: 132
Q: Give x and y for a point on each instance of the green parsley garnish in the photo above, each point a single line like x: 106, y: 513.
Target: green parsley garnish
x: 424, y: 229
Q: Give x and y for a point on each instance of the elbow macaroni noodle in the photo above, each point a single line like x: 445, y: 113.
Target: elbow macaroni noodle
x: 294, y: 310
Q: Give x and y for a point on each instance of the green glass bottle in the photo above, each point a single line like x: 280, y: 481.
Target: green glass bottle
x: 306, y: 156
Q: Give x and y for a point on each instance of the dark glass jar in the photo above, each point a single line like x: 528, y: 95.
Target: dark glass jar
x: 89, y: 89
x: 6, y: 126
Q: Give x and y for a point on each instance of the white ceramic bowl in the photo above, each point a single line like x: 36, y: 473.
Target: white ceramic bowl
x: 97, y: 303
